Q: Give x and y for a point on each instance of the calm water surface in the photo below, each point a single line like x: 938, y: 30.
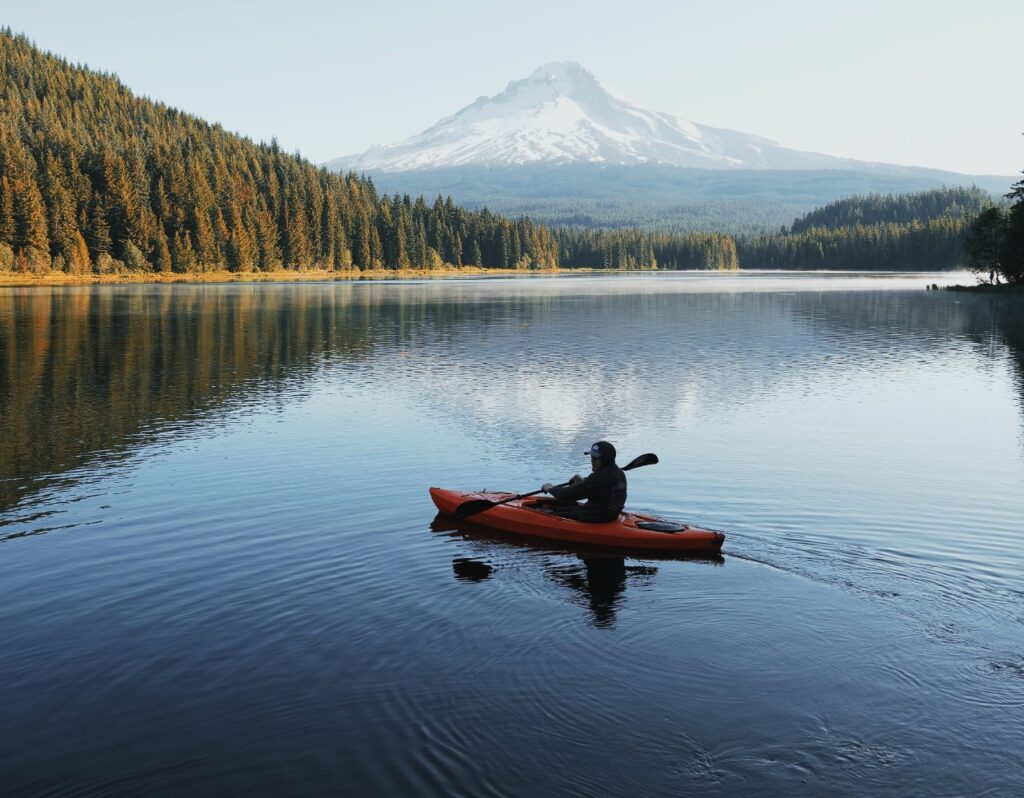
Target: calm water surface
x: 220, y: 571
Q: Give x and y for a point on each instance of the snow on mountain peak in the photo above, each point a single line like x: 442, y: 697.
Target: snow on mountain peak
x: 561, y: 113
x: 564, y: 73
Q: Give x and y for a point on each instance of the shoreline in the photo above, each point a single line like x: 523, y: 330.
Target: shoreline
x: 1002, y: 289
x: 16, y: 280
x: 56, y: 279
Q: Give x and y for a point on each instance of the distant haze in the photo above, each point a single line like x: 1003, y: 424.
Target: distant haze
x: 916, y: 83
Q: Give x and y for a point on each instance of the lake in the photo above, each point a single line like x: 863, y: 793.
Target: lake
x: 221, y: 572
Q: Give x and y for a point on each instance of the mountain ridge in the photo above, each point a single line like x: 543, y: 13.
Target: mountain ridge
x: 562, y: 148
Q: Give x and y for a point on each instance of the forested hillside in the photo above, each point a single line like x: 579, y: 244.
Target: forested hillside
x: 666, y: 198
x: 922, y: 206
x: 933, y: 245
x: 94, y: 179
x: 921, y: 243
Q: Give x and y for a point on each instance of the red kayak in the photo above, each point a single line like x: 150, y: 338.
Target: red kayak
x: 530, y: 516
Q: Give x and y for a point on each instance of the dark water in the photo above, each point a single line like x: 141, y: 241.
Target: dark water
x: 220, y: 572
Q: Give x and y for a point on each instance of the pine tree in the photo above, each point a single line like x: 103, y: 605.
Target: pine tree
x: 6, y: 210
x: 77, y: 258
x: 162, y: 260
x: 505, y: 251
x: 242, y: 249
x: 419, y: 246
x: 342, y: 253
x: 98, y: 233
x: 402, y: 261
x: 361, y: 253
x: 268, y: 239
x: 30, y: 228
x: 1011, y: 251
x: 183, y: 256
x: 204, y: 242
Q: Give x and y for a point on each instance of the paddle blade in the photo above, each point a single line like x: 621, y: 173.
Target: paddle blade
x: 472, y: 507
x: 643, y: 460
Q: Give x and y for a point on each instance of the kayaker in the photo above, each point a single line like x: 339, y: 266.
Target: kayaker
x: 604, y: 489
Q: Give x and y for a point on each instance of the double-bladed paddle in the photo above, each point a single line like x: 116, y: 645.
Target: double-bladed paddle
x: 474, y: 506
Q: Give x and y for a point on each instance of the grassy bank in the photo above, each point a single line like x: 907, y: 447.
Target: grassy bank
x: 283, y: 275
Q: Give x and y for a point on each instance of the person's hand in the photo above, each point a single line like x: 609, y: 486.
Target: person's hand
x: 546, y: 487
x: 576, y: 479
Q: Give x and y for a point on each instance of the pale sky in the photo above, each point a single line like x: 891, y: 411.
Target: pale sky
x: 908, y: 82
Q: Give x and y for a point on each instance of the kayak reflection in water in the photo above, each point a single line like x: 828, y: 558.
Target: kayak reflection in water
x: 602, y: 583
x: 604, y: 489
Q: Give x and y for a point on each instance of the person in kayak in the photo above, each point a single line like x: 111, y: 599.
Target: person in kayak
x: 604, y: 489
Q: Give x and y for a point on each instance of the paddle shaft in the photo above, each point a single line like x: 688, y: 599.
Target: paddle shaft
x: 474, y: 506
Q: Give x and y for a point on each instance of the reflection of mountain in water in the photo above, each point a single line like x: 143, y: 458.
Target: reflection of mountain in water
x: 535, y: 362
x: 612, y: 364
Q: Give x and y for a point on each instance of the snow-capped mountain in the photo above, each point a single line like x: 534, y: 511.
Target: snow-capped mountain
x: 562, y: 114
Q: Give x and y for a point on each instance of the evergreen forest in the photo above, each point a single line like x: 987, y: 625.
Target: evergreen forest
x: 94, y: 179
x: 674, y: 199
x: 932, y: 244
x: 959, y: 202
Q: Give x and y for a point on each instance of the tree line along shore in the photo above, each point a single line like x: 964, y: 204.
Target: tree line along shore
x: 98, y: 184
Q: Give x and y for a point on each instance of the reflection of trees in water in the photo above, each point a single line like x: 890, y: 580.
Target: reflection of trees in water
x: 994, y: 323
x: 92, y: 370
x: 1008, y: 322
x: 1008, y: 318
x: 89, y: 370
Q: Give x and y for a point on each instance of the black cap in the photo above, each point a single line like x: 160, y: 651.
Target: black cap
x: 604, y: 450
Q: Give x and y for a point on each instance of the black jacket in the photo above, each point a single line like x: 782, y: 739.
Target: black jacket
x: 604, y: 490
